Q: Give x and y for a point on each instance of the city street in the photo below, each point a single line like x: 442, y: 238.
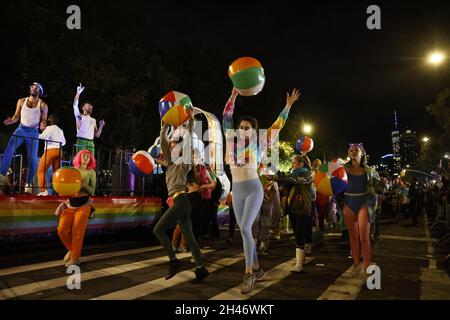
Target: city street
x: 411, y: 265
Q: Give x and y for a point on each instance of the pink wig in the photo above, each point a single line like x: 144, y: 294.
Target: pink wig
x: 77, y: 160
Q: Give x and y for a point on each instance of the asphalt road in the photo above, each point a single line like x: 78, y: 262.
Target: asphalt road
x: 133, y: 266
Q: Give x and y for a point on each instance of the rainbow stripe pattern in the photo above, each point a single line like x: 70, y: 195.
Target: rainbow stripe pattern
x: 23, y: 214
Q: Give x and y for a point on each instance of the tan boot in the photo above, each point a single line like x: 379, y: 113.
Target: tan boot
x: 299, y: 260
x: 72, y: 262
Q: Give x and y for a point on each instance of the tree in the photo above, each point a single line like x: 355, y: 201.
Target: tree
x: 441, y: 113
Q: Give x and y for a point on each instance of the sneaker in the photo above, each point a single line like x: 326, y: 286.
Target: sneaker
x: 43, y: 193
x: 72, y: 262
x: 200, y: 274
x: 248, y: 284
x: 192, y: 260
x: 28, y: 188
x: 67, y: 257
x: 258, y: 273
x: 277, y: 237
x: 174, y: 267
x: 264, y: 251
x: 356, y: 271
x: 183, y: 249
x: 174, y: 248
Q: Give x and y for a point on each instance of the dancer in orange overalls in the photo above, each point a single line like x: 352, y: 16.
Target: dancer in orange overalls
x: 75, y: 212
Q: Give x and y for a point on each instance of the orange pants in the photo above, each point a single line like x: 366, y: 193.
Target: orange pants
x: 176, y: 235
x: 72, y: 227
x: 51, y: 157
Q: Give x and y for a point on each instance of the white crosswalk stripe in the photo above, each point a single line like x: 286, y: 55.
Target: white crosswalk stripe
x: 271, y: 277
x: 153, y: 286
x: 58, y: 263
x: 86, y: 276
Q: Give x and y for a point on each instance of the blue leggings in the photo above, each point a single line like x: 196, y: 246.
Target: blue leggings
x: 22, y: 134
x: 247, y: 201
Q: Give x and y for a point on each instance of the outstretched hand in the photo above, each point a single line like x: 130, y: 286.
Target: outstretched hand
x: 8, y: 121
x: 80, y: 89
x: 101, y: 123
x: 293, y: 97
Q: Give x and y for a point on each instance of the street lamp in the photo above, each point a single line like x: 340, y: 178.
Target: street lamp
x: 436, y: 58
x: 307, y: 128
x: 425, y: 139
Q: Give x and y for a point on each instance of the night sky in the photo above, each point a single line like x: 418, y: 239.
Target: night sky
x: 351, y: 78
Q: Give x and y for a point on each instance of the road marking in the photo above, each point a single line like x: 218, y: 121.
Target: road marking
x: 59, y: 263
x: 275, y: 275
x: 388, y: 237
x: 153, y: 286
x: 435, y: 284
x: 345, y: 287
x: 431, y: 260
x: 85, y: 276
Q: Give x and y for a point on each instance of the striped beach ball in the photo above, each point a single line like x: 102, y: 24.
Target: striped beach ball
x: 331, y: 179
x: 304, y: 144
x: 141, y: 164
x: 155, y: 151
x: 247, y: 76
x: 174, y: 107
x: 67, y: 181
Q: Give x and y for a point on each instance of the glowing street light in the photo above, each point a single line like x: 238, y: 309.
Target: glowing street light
x: 307, y: 128
x: 425, y: 139
x: 436, y: 58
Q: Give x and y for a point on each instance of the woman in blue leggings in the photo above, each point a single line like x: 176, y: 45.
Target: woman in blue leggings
x: 242, y: 156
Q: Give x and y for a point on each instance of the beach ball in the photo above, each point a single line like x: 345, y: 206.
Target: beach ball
x: 174, y: 108
x: 67, y: 181
x: 304, y: 144
x: 141, y: 164
x: 331, y: 179
x: 247, y: 76
x: 155, y: 151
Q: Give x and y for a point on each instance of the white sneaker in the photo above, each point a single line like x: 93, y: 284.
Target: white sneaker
x: 28, y: 188
x: 43, y: 193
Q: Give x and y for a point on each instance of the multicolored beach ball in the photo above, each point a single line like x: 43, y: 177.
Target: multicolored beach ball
x: 304, y: 144
x: 331, y: 179
x: 67, y: 181
x: 247, y: 76
x: 155, y: 151
x: 174, y: 107
x: 141, y: 164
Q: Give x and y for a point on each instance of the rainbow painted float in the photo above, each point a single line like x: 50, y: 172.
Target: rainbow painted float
x: 28, y: 215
